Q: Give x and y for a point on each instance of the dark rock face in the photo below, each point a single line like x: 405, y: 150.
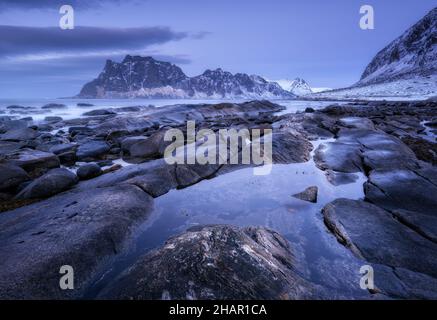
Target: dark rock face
x: 89, y: 171
x: 20, y: 134
x: 413, y: 53
x: 340, y: 157
x: 404, y: 189
x: 11, y: 177
x: 31, y: 160
x: 147, y: 77
x: 374, y: 234
x: 99, y: 112
x: 54, y: 106
x: 309, y: 194
x: 51, y: 183
x: 230, y: 263
x: 92, y: 150
x: 80, y: 229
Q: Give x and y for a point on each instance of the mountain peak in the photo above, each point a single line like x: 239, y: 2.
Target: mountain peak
x: 138, y: 76
x: 414, y: 53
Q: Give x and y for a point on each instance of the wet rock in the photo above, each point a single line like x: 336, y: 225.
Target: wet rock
x: 7, y: 147
x: 340, y: 178
x: 403, y: 189
x: 53, y: 182
x: 63, y: 147
x: 424, y: 150
x: 99, y: 112
x: 152, y: 147
x: 54, y: 106
x: 309, y: 194
x: 356, y: 123
x: 89, y: 171
x: 309, y: 110
x: 68, y: 158
x: 231, y: 263
x: 53, y: 119
x: 92, y: 150
x: 129, y: 141
x: 340, y: 157
x: 11, y: 177
x: 20, y: 134
x: 290, y: 147
x: 82, y: 229
x: 373, y: 234
x: 31, y: 160
x: 82, y: 104
x: 128, y: 109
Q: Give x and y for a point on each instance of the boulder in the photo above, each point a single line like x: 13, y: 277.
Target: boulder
x: 54, y: 106
x: 373, y: 234
x: 62, y: 148
x: 53, y: 182
x: 20, y: 134
x: 403, y: 189
x: 99, y: 112
x: 89, y: 171
x: 230, y: 263
x: 92, y: 150
x: 31, y: 160
x: 84, y: 230
x: 11, y: 176
x: 340, y: 157
x: 309, y: 194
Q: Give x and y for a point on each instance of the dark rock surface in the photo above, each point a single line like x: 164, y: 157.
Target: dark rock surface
x: 230, y: 263
x: 92, y: 150
x: 309, y: 194
x: 89, y: 171
x: 11, y: 177
x: 80, y: 229
x: 374, y: 234
x: 49, y: 184
x: 31, y: 160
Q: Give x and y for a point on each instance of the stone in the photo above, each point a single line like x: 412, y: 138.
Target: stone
x: 54, y: 106
x: 230, y: 263
x: 309, y: 194
x: 89, y: 171
x: 11, y: 177
x: 53, y: 119
x: 62, y: 148
x: 92, y: 150
x: 20, y: 134
x: 53, y: 182
x: 340, y: 157
x: 373, y: 234
x: 99, y: 112
x: 31, y: 160
x: 82, y: 229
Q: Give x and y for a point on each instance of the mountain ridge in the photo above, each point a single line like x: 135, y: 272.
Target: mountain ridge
x: 138, y: 76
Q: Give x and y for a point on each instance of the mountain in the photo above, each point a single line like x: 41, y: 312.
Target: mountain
x: 406, y: 68
x: 300, y: 87
x: 146, y: 77
x: 414, y: 53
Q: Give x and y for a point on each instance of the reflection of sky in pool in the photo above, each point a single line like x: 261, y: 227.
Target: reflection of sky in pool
x: 243, y: 199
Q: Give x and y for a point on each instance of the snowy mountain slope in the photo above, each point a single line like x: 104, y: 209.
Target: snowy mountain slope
x: 414, y: 53
x: 298, y: 86
x: 139, y: 76
x: 405, y: 69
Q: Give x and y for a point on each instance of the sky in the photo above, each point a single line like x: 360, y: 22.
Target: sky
x: 317, y: 40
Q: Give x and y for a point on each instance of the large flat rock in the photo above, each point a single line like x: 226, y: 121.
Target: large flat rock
x: 215, y: 262
x: 80, y: 229
x: 375, y: 235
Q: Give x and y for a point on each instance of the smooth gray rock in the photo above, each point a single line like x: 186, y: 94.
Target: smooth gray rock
x: 31, y: 160
x: 53, y: 182
x: 403, y: 189
x: 129, y: 141
x: 11, y: 177
x: 89, y: 171
x: 309, y: 194
x: 99, y: 112
x: 20, y: 134
x: 62, y: 148
x: 373, y: 234
x: 340, y: 157
x: 215, y: 262
x: 92, y: 150
x: 82, y: 229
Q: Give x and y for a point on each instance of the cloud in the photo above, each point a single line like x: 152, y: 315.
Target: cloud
x: 34, y: 43
x: 54, y: 4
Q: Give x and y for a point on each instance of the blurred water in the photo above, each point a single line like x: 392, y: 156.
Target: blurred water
x: 73, y: 111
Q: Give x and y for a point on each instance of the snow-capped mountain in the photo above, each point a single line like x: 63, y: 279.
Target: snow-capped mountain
x: 146, y: 77
x: 405, y: 69
x: 414, y: 53
x: 299, y: 87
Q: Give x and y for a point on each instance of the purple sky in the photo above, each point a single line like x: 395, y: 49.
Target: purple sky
x: 317, y: 40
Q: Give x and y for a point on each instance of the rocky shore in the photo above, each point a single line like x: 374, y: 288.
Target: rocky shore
x: 73, y: 192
